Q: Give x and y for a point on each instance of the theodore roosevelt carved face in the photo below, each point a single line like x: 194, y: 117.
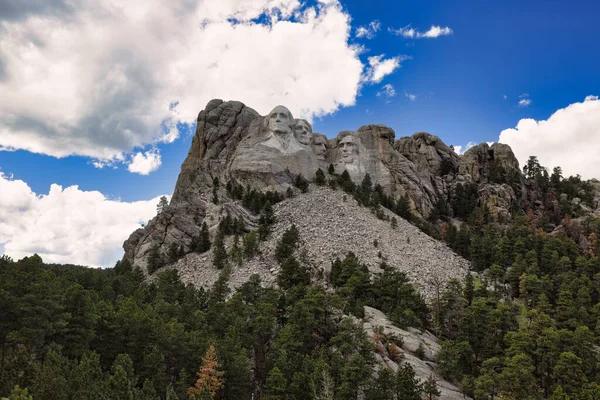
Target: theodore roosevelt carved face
x: 319, y: 147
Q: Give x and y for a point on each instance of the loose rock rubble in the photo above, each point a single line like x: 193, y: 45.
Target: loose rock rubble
x: 331, y: 224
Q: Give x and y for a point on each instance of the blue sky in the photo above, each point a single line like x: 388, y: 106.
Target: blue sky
x: 464, y: 86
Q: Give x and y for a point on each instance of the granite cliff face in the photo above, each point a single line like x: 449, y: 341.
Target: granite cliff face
x: 234, y: 144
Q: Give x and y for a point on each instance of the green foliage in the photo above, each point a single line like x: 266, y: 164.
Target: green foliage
x: 266, y: 220
x: 19, y: 394
x: 320, y: 178
x: 250, y: 245
x: 163, y: 203
x: 292, y: 273
x: 403, y: 208
x: 430, y: 388
x: 524, y: 326
x: 388, y: 291
x: 407, y: 385
x: 287, y: 244
x: 464, y: 200
x: 154, y: 260
x: 219, y: 252
x: 203, y: 243
x: 301, y: 183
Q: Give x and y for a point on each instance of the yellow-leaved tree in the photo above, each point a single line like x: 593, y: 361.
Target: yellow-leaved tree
x: 209, y: 377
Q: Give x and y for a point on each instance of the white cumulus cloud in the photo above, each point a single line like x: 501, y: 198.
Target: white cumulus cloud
x: 145, y: 162
x: 103, y: 78
x: 569, y: 138
x: 67, y: 225
x: 380, y: 67
x: 411, y: 33
x: 411, y: 96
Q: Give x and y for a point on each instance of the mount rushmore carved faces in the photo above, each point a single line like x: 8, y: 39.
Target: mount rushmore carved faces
x: 302, y: 131
x: 349, y: 149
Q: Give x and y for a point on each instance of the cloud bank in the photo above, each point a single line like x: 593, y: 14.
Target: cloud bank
x: 67, y: 225
x: 100, y: 79
x: 569, y: 138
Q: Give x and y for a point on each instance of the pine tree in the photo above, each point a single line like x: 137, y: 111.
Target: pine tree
x: 301, y: 183
x: 403, y: 208
x: 87, y: 379
x: 469, y: 288
x: 250, y: 245
x: 219, y: 252
x: 276, y: 385
x: 407, y: 385
x: 51, y: 381
x: 147, y: 392
x: 331, y: 169
x: 394, y: 223
x: 19, y: 394
x: 163, y: 203
x: 430, y: 388
x: 154, y: 260
x: 320, y: 178
x: 209, y: 376
x: 203, y: 244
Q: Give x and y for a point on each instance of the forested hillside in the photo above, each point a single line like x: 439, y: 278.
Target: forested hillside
x: 524, y: 324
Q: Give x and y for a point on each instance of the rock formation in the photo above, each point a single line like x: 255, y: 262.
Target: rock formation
x: 409, y: 341
x: 234, y: 144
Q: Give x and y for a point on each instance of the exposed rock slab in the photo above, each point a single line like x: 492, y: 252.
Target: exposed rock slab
x: 411, y: 340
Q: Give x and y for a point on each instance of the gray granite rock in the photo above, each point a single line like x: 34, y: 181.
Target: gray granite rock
x: 234, y: 143
x: 376, y: 321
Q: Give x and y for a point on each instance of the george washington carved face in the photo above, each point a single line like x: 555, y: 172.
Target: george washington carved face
x: 280, y: 120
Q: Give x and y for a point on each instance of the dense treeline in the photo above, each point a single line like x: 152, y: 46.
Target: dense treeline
x: 528, y: 326
x: 525, y: 325
x: 71, y: 332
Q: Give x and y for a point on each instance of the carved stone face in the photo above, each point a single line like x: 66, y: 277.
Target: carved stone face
x: 349, y: 149
x: 319, y: 147
x: 280, y: 120
x: 302, y: 132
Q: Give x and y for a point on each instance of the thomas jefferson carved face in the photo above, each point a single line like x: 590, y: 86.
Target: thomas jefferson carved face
x: 349, y: 149
x: 319, y: 147
x: 302, y: 131
x: 280, y: 120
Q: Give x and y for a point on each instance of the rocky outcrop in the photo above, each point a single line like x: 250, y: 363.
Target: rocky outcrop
x: 498, y: 198
x: 482, y: 161
x: 379, y: 328
x: 233, y: 143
